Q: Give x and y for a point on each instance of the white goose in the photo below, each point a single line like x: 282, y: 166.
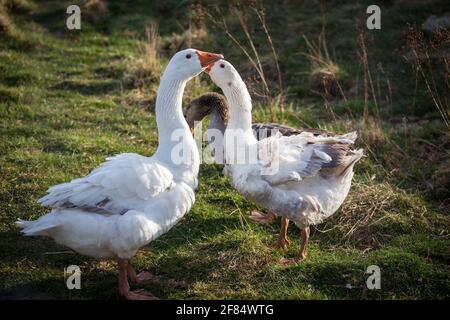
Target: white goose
x: 216, y: 105
x: 301, y: 177
x: 130, y: 200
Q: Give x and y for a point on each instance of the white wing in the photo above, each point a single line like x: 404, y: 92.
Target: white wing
x: 292, y: 158
x: 116, y: 186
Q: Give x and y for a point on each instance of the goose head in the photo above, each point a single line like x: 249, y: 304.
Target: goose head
x: 224, y: 75
x: 208, y: 103
x: 188, y: 63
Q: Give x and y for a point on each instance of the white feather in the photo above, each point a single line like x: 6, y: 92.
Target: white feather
x: 287, y: 180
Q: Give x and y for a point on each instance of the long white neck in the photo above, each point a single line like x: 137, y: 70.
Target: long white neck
x: 240, y: 111
x: 172, y: 127
x: 239, y: 143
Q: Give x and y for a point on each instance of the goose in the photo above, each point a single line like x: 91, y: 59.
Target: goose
x: 131, y: 200
x: 302, y: 177
x: 215, y: 105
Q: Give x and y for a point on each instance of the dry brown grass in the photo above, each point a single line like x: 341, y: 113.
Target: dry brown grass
x: 6, y: 26
x: 361, y: 218
x: 150, y: 48
x: 192, y: 37
x: 147, y: 67
x: 411, y: 155
x: 193, y: 33
x: 427, y: 56
x: 5, y: 23
x: 371, y: 138
x: 94, y: 10
x: 327, y: 78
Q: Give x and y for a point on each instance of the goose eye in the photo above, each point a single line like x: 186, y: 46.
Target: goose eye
x: 188, y: 56
x: 222, y: 65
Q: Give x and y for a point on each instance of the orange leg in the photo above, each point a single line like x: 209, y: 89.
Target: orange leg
x: 302, y: 253
x: 283, y: 241
x: 304, y: 234
x: 124, y: 286
x: 140, y: 277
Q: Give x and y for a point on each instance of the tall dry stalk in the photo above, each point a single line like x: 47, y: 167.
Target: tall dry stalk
x: 150, y: 47
x: 146, y: 68
x: 423, y: 65
x: 380, y: 70
x: 325, y: 67
x: 368, y: 80
x: 326, y: 71
x: 244, y: 25
x: 261, y: 14
x: 252, y: 53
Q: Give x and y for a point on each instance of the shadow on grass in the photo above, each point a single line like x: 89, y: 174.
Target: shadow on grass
x: 93, y: 286
x: 29, y: 254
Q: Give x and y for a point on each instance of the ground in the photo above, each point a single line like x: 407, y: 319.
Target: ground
x: 66, y: 103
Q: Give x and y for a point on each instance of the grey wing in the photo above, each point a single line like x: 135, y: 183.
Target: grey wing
x: 265, y: 130
x: 301, y: 156
x: 343, y: 155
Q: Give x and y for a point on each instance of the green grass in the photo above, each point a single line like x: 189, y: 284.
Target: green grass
x: 63, y: 109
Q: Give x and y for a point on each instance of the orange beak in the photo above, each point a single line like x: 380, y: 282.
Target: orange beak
x: 208, y: 68
x: 208, y: 58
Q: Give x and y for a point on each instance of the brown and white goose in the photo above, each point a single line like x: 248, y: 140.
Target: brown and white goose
x: 302, y: 177
x: 215, y: 105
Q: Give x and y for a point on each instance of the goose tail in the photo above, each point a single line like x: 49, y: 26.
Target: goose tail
x: 357, y: 155
x: 38, y: 227
x: 348, y: 137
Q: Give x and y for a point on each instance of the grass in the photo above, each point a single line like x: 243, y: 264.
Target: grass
x: 64, y: 108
